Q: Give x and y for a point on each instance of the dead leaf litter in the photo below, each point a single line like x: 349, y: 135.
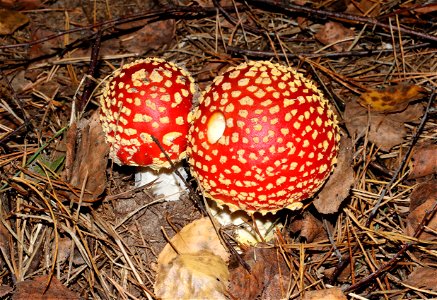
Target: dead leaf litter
x: 74, y: 225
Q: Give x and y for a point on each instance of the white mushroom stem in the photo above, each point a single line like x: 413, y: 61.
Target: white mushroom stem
x: 168, y: 184
x: 245, y: 232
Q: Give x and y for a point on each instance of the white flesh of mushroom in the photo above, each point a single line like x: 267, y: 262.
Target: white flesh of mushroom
x: 168, y: 184
x: 245, y: 232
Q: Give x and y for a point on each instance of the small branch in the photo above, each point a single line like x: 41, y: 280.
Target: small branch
x: 167, y: 157
x: 16, y: 98
x: 269, y: 54
x: 89, y: 83
x: 394, y: 260
x: 189, y: 187
x: 331, y: 240
x: 167, y: 12
x: 293, y: 8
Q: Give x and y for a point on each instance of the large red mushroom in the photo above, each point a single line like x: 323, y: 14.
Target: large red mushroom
x: 263, y: 138
x: 147, y: 98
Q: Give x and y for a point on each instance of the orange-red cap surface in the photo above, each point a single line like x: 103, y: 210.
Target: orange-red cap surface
x: 149, y: 97
x: 262, y: 138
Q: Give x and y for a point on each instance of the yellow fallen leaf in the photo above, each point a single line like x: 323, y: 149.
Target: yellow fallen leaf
x: 392, y: 98
x: 200, y: 275
x: 198, y: 269
x: 197, y: 236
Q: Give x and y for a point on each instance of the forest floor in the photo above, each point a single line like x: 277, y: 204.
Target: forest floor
x: 74, y: 226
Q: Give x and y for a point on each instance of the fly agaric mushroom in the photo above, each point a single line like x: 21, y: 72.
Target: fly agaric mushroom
x: 263, y: 138
x: 144, y: 99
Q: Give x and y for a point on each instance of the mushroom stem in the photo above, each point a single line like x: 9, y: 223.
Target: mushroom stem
x: 250, y: 229
x: 168, y: 183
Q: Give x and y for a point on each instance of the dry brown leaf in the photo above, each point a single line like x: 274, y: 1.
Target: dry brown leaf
x: 312, y: 229
x: 11, y: 20
x: 391, y: 99
x: 386, y: 131
x: 46, y: 47
x: 153, y: 36
x: 269, y: 274
x: 198, y: 270
x: 367, y: 8
x: 343, y: 277
x: 36, y: 290
x: 426, y: 9
x: 5, y: 290
x: 64, y: 249
x: 199, y: 235
x: 201, y: 275
x: 333, y: 32
x: 309, y: 227
x: 422, y: 200
x: 423, y: 278
x: 277, y: 289
x: 20, y: 4
x: 88, y: 160
x: 422, y: 192
x: 339, y: 183
x: 424, y: 162
x: 334, y: 293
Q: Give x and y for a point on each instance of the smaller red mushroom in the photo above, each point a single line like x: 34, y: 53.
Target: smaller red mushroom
x: 147, y: 98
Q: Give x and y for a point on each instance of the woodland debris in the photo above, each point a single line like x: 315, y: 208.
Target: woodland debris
x: 423, y: 161
x: 11, y: 20
x: 423, y: 278
x: 268, y: 273
x: 35, y: 289
x: 200, y: 275
x: 336, y: 35
x: 152, y: 36
x: 310, y: 228
x: 86, y: 159
x: 193, y: 264
x: 199, y: 235
x: 385, y: 130
x: 391, y: 98
x: 338, y: 186
x: 422, y: 200
x: 325, y: 294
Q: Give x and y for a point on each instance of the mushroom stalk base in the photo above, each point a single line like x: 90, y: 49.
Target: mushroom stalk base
x: 167, y: 184
x: 245, y: 232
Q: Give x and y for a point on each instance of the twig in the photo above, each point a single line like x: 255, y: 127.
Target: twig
x: 89, y: 84
x: 393, y: 261
x: 235, y: 22
x: 16, y: 98
x: 167, y: 12
x: 269, y: 54
x: 172, y: 165
x: 293, y: 8
x: 331, y: 240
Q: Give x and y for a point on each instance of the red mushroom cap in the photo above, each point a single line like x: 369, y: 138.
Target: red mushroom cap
x: 149, y: 97
x: 263, y: 138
